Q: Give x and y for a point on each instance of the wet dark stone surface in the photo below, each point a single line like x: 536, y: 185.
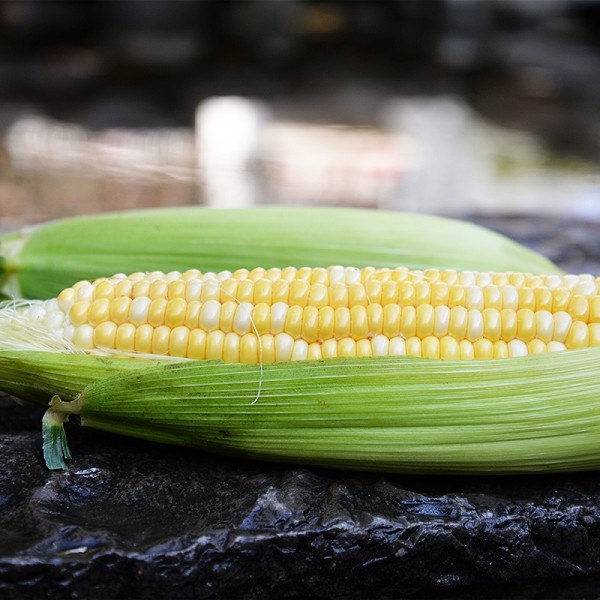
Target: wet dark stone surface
x: 137, y: 520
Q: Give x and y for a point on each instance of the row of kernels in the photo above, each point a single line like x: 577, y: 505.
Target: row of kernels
x: 249, y: 348
x: 582, y: 284
x: 230, y: 347
x: 311, y: 323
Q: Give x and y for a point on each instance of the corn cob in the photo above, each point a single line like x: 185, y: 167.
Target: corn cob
x: 41, y: 261
x: 278, y: 315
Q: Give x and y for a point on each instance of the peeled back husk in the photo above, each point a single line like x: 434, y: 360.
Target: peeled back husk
x: 37, y: 376
x: 41, y: 261
x: 539, y: 413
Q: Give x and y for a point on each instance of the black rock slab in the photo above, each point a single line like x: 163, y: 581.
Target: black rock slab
x: 132, y: 519
x: 137, y: 520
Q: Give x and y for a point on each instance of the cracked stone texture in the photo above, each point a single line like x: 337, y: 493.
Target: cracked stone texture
x: 132, y: 519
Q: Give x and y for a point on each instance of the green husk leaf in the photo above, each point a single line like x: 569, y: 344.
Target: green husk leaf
x: 37, y: 376
x: 46, y: 259
x: 532, y: 414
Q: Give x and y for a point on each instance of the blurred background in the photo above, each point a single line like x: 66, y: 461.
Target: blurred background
x: 484, y: 109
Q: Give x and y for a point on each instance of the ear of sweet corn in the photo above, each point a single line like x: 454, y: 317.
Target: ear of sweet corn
x: 278, y: 315
x: 41, y: 261
x: 399, y: 414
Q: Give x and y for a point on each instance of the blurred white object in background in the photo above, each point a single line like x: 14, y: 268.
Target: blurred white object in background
x: 228, y: 130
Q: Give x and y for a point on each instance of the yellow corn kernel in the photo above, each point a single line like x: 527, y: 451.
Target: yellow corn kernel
x: 261, y: 317
x: 509, y: 324
x: 99, y: 311
x: 536, y: 347
x: 526, y: 326
x: 338, y: 297
x: 430, y: 347
x: 406, y: 294
x: 459, y: 318
x: 319, y: 275
x: 326, y: 323
x: 227, y: 315
x: 143, y: 338
x: 594, y: 304
x: 140, y: 288
x: 346, y: 347
x: 359, y: 323
x: 467, y: 352
x: 119, y: 310
x: 192, y: 314
x: 293, y: 321
x: 318, y: 295
x: 500, y: 349
x: 214, y: 345
x: 231, y: 348
x: 124, y: 288
x: 408, y: 323
x: 594, y: 333
x: 492, y: 324
x: 310, y: 324
x: 449, y: 276
x: 105, y: 335
x: 263, y: 291
x: 248, y: 348
x: 156, y: 312
x: 211, y: 291
x: 341, y: 327
x: 105, y: 289
x: 280, y: 291
x: 389, y: 293
x: 66, y: 299
x: 561, y: 297
x: 178, y: 341
x: 392, y: 319
x: 543, y: 299
x: 492, y: 297
x: 439, y: 293
x: 299, y: 291
x: 304, y: 274
x: 413, y: 347
x: 83, y: 337
x: 579, y: 308
x: 449, y: 348
x: 457, y: 296
x: 228, y: 291
x: 197, y: 344
x: 266, y: 349
x: 176, y: 289
x: 175, y: 312
x: 256, y: 274
x: 125, y: 340
x: 314, y: 351
x: 158, y: 289
x: 79, y: 312
x: 483, y: 349
x: 422, y: 293
x: 373, y: 290
x: 329, y: 348
x: 578, y: 337
x: 425, y: 320
x: 526, y: 299
x: 375, y: 319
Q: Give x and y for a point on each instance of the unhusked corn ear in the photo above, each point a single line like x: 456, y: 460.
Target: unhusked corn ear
x: 338, y: 311
x: 39, y: 262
